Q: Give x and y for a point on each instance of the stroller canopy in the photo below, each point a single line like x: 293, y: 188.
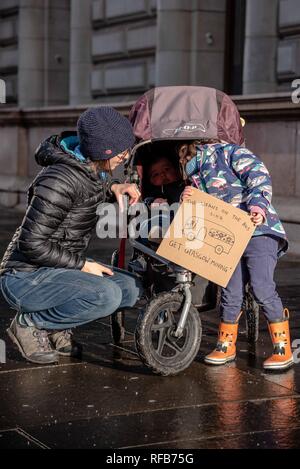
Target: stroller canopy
x: 186, y: 113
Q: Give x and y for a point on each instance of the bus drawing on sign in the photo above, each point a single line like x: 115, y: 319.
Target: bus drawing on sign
x: 212, y: 234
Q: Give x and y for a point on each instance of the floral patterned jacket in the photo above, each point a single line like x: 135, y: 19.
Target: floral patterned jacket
x: 235, y: 175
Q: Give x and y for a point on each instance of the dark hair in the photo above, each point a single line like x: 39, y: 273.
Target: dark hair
x: 101, y: 165
x: 158, y: 151
x: 156, y: 159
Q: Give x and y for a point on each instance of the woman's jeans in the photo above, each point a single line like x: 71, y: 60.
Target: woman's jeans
x: 58, y: 299
x: 257, y: 266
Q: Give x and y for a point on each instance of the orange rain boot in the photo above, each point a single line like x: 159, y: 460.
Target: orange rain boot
x: 282, y: 356
x: 225, y: 350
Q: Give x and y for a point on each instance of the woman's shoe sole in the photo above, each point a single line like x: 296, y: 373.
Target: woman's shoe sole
x: 70, y: 354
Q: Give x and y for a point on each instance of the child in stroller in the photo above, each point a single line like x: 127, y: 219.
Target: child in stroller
x: 162, y: 186
x: 163, y: 182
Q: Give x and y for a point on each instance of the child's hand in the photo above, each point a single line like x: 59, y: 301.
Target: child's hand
x: 188, y: 191
x: 159, y: 201
x: 257, y: 218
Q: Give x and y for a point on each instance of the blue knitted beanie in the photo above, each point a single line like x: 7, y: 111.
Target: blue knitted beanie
x: 104, y: 133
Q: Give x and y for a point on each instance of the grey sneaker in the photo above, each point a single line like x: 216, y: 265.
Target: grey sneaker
x: 64, y: 343
x: 33, y: 343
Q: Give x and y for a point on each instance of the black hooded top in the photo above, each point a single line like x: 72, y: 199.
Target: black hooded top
x: 61, y: 213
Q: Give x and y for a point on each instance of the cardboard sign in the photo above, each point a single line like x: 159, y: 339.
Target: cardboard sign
x: 208, y: 237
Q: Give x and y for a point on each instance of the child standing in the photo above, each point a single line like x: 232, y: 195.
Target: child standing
x: 236, y: 176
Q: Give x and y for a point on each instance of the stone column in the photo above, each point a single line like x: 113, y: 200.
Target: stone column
x: 191, y: 42
x: 208, y: 39
x: 260, y: 47
x: 173, y: 42
x: 57, y: 52
x: 43, y: 65
x: 80, y: 55
x: 31, y: 66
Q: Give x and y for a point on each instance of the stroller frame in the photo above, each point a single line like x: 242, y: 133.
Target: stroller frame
x: 183, y: 281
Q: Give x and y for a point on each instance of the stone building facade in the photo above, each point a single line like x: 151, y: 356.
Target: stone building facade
x: 56, y: 52
x: 59, y: 56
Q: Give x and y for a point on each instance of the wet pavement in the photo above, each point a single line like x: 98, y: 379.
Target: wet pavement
x: 108, y: 399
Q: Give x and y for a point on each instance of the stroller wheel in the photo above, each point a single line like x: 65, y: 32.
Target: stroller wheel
x: 156, y: 343
x: 117, y: 326
x: 251, y: 308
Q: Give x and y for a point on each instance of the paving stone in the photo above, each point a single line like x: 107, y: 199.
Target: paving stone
x: 109, y: 399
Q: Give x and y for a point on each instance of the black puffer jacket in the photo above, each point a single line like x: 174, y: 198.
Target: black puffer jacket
x: 61, y: 213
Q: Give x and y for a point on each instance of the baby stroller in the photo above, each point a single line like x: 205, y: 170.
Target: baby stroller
x: 168, y: 331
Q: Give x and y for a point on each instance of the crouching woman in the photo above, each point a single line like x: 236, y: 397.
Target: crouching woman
x: 45, y: 275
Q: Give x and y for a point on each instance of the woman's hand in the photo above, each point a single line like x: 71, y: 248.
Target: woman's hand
x: 96, y: 269
x: 188, y: 192
x: 257, y: 218
x: 121, y: 189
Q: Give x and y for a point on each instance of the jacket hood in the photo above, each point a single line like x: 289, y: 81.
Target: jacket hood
x: 50, y: 152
